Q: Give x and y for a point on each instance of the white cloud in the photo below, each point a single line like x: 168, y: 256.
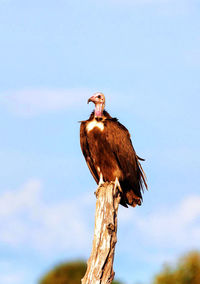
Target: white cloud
x: 25, y: 218
x: 177, y: 226
x: 36, y: 101
x: 9, y: 274
x: 8, y: 278
x: 27, y: 221
x: 164, y: 233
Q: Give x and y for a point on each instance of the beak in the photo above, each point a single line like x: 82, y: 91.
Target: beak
x: 92, y: 99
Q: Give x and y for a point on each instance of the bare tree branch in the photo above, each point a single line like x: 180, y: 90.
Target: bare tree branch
x: 100, y: 263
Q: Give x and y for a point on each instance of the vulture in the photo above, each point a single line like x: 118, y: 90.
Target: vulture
x: 109, y: 153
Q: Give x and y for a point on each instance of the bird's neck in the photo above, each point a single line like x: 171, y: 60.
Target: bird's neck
x: 98, y: 112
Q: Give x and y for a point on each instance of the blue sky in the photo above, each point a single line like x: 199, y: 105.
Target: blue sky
x: 145, y: 56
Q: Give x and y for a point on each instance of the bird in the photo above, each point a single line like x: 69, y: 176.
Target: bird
x: 107, y: 147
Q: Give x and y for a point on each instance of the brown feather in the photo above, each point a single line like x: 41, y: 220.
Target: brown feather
x: 111, y: 151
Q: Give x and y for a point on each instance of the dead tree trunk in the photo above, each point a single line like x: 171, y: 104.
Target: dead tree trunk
x: 100, y: 263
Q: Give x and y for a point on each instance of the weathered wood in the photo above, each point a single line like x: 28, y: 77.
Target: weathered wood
x: 100, y: 263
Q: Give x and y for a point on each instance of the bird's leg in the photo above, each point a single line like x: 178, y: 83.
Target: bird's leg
x: 117, y: 186
x: 101, y: 182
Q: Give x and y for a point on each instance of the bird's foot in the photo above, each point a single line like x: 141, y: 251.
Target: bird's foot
x: 100, y: 184
x: 117, y: 186
x: 101, y: 181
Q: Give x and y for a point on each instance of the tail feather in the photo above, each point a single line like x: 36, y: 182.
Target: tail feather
x: 133, y: 199
x: 132, y: 193
x: 143, y: 177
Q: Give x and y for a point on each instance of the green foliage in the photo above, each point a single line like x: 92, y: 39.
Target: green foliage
x: 70, y: 272
x: 186, y: 271
x: 67, y: 273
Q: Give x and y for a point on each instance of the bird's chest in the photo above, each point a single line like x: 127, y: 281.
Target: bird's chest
x: 95, y: 125
x: 96, y: 134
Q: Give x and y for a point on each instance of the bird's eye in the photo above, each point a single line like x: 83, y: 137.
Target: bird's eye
x: 99, y: 97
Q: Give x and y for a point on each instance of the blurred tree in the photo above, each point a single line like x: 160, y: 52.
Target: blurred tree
x: 67, y: 273
x: 186, y: 271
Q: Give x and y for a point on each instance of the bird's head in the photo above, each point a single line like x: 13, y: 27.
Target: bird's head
x: 99, y: 100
